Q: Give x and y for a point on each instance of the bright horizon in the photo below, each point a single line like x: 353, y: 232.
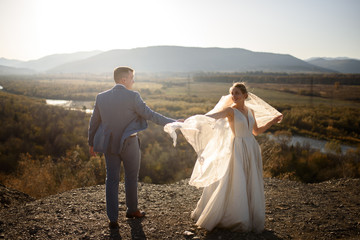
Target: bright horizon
x: 32, y: 29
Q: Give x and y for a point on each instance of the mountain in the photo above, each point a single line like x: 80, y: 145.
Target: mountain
x: 51, y: 61
x: 188, y: 59
x: 9, y: 62
x: 5, y: 70
x: 343, y: 65
x: 327, y: 58
x: 48, y: 62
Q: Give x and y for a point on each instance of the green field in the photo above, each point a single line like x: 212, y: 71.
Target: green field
x: 169, y: 90
x: 213, y: 91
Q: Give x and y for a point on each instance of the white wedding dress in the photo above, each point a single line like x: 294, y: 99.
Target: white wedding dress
x: 229, y: 166
x: 237, y: 200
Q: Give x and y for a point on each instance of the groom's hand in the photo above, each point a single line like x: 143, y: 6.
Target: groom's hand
x: 180, y: 120
x: 91, y: 150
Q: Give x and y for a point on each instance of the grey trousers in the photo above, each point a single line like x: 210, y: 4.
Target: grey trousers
x: 130, y: 156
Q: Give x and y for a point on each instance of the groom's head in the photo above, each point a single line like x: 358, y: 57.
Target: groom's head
x: 124, y: 76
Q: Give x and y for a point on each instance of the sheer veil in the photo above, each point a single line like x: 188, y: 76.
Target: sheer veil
x: 263, y: 111
x: 212, y: 139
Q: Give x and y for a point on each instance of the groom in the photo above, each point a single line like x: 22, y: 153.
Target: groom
x: 118, y: 115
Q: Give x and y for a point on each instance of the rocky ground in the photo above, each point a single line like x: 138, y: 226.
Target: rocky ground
x: 328, y: 210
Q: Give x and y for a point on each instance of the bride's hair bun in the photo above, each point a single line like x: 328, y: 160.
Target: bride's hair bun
x: 241, y: 86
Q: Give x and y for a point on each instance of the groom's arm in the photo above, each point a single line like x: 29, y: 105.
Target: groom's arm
x: 145, y: 112
x: 95, y: 121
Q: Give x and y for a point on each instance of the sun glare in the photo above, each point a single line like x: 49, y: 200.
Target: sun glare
x: 80, y: 25
x: 36, y: 28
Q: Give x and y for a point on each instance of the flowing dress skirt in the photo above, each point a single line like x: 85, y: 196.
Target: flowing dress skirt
x: 237, y: 200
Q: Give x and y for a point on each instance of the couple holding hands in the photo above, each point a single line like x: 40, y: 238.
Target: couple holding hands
x: 229, y: 163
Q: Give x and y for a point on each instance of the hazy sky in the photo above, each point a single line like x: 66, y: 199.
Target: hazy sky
x: 31, y: 29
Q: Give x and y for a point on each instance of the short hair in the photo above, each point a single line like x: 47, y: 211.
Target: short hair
x: 121, y: 72
x: 239, y: 85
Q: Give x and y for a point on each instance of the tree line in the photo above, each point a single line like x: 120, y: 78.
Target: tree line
x: 280, y: 78
x: 43, y: 149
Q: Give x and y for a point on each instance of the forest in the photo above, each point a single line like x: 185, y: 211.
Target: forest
x: 43, y: 148
x: 280, y: 78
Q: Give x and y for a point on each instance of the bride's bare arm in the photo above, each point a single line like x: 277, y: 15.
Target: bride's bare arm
x: 227, y: 112
x: 258, y: 130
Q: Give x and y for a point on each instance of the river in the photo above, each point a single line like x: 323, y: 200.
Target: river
x: 313, y: 143
x: 84, y: 106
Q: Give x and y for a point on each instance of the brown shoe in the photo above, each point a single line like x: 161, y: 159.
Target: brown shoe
x: 136, y: 214
x: 113, y: 225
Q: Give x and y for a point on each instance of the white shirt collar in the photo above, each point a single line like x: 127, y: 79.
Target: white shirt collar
x: 120, y: 85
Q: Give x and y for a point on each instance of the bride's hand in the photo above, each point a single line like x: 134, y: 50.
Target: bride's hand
x: 277, y: 119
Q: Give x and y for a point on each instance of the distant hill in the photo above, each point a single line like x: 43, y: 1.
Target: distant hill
x: 171, y: 59
x: 5, y: 70
x: 9, y: 62
x: 51, y: 61
x: 189, y: 59
x: 48, y: 62
x: 343, y: 65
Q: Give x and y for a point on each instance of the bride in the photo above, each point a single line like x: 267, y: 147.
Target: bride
x: 229, y: 163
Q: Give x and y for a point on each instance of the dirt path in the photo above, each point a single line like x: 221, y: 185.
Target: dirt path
x: 328, y: 210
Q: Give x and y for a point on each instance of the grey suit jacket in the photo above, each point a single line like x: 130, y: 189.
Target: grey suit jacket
x: 119, y: 113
